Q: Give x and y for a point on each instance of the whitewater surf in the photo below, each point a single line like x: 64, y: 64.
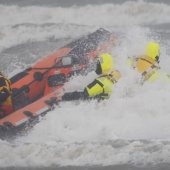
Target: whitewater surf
x: 129, y: 131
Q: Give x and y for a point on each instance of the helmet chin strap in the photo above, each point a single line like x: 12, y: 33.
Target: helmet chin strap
x: 98, y: 69
x: 157, y: 59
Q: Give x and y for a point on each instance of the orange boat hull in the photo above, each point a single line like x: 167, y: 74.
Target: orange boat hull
x: 35, y: 85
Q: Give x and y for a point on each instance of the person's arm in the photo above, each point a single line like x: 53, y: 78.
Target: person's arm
x: 75, y: 96
x: 93, y: 90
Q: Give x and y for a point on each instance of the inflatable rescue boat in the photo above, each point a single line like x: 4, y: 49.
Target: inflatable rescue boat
x: 35, y: 89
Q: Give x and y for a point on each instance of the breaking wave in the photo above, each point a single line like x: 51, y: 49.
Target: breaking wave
x: 132, y: 127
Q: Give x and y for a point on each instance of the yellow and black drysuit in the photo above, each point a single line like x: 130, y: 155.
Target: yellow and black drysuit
x: 6, y: 105
x: 101, y: 87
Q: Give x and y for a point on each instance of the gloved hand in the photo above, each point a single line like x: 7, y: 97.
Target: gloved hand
x: 59, y: 94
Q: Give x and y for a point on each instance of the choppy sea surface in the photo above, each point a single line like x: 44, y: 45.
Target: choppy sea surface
x: 131, y: 131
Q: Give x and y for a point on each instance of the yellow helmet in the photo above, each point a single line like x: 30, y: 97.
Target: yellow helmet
x: 153, y: 51
x: 115, y: 75
x: 105, y: 64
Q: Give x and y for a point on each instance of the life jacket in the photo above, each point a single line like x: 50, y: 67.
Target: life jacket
x: 7, y: 105
x: 101, y: 87
x: 147, y: 67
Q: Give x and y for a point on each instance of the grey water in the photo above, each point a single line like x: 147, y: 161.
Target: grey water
x: 67, y: 3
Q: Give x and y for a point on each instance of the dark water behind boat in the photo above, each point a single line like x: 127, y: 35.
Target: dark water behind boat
x: 67, y: 3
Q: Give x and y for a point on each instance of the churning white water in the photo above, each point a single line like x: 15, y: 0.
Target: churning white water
x: 133, y: 126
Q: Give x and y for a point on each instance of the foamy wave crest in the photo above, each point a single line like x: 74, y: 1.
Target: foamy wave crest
x: 132, y: 127
x: 139, y: 153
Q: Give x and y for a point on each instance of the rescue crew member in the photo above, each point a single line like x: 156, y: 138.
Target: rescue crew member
x: 6, y: 105
x: 148, y: 64
x: 101, y: 87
